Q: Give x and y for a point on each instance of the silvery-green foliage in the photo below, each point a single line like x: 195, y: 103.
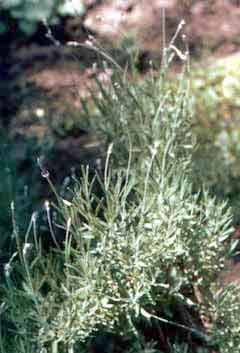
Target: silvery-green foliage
x: 129, y: 115
x: 137, y: 257
x: 226, y: 325
x: 138, y: 239
x: 149, y: 240
x: 71, y: 8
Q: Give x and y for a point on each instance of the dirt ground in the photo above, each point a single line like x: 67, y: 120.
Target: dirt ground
x: 64, y: 73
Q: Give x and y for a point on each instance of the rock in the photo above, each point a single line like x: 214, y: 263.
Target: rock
x: 116, y: 20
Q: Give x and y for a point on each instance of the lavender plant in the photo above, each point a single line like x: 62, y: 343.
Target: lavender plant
x: 142, y: 245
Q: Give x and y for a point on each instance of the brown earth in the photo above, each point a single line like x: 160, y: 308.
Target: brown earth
x: 60, y: 72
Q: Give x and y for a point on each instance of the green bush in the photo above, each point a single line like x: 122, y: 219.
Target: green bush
x: 226, y: 326
x: 215, y: 89
x: 139, y: 244
x: 29, y: 13
x: 13, y: 191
